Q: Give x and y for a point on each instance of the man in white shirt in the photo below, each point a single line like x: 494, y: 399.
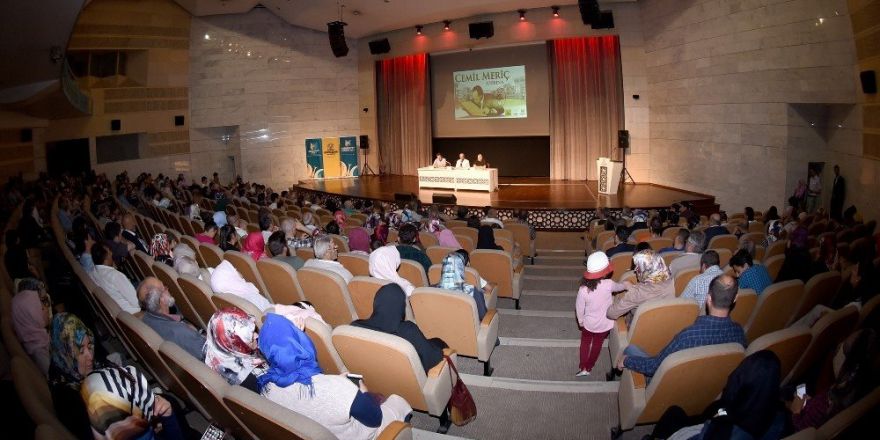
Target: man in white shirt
x: 440, y: 161
x: 97, y: 260
x: 462, y: 162
x: 814, y: 190
x: 325, y: 258
x: 491, y: 218
x: 691, y: 257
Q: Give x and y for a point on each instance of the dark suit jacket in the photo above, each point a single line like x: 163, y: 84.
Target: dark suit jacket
x: 839, y: 189
x: 714, y: 231
x: 134, y: 238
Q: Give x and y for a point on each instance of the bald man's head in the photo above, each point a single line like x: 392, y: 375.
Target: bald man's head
x: 153, y: 296
x: 722, y: 292
x: 129, y: 222
x: 715, y: 219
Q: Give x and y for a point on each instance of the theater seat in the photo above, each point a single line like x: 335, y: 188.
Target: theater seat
x: 329, y: 294
x: 775, y: 248
x: 788, y: 344
x: 306, y: 253
x: 653, y: 326
x: 471, y: 276
x: 452, y: 317
x: 269, y: 420
x: 437, y: 253
x: 390, y: 365
x: 144, y: 262
x: 497, y: 267
x: 225, y: 300
x: 746, y: 300
x: 413, y: 272
x: 467, y: 232
x: 774, y: 265
x: 428, y: 239
x: 146, y: 343
x: 819, y: 290
x: 362, y: 291
x: 724, y: 241
x: 211, y: 254
x: 168, y: 277
x: 837, y: 426
x: 659, y: 243
x: 199, y: 295
x: 691, y: 379
x: 322, y: 336
x: 247, y: 267
x: 52, y: 432
x: 683, y: 277
x: 357, y: 264
x: 669, y: 256
x: 828, y: 332
x: 341, y: 243
x: 724, y: 256
x: 621, y: 262
x: 522, y: 236
x: 774, y: 309
x: 280, y: 280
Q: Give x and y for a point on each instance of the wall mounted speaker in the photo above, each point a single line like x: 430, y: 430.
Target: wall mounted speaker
x: 378, y: 47
x: 178, y: 120
x: 623, y: 139
x: 605, y: 21
x: 589, y: 10
x: 26, y: 135
x: 485, y: 29
x: 444, y: 199
x: 365, y: 142
x: 869, y: 81
x: 115, y: 124
x: 336, y: 32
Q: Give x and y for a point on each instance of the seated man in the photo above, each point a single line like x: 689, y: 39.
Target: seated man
x: 491, y: 218
x: 157, y: 303
x: 119, y: 247
x: 716, y: 327
x: 407, y: 239
x: 462, y: 162
x: 280, y: 251
x: 210, y: 233
x: 678, y: 244
x: 440, y: 161
x: 691, y: 257
x: 129, y: 232
x: 751, y: 276
x: 715, y: 229
x: 97, y: 260
x: 621, y: 235
x: 325, y: 258
x: 698, y: 287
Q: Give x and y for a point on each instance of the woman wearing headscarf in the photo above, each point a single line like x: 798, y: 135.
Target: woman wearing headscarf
x: 254, y: 245
x: 384, y: 263
x: 486, y: 238
x: 226, y: 279
x: 359, y: 241
x: 160, y: 248
x: 380, y: 236
x: 294, y: 380
x: 445, y: 237
x: 654, y: 282
x: 389, y: 316
x: 452, y: 278
x: 31, y: 314
x: 339, y: 217
x: 231, y: 347
x: 73, y: 358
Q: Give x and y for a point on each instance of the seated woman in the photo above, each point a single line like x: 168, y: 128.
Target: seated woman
x: 384, y: 263
x: 254, y: 245
x: 294, y: 380
x: 231, y: 348
x: 452, y: 278
x: 654, y: 282
x: 486, y: 238
x: 445, y: 237
x: 226, y: 279
x: 228, y: 239
x: 160, y: 248
x: 389, y: 316
x: 480, y: 162
x: 359, y: 241
x: 31, y: 314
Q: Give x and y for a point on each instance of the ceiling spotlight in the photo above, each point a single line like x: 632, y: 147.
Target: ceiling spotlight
x: 522, y: 14
x: 207, y: 36
x: 446, y: 24
x: 555, y: 11
x: 419, y: 30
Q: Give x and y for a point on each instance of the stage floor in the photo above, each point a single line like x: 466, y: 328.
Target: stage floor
x: 532, y: 193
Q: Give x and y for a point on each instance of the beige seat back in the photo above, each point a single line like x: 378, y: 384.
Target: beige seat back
x: 322, y: 336
x: 671, y: 232
x: 33, y: 391
x: 724, y: 256
x: 669, y: 256
x: 329, y: 294
x: 683, y: 277
x: 203, y: 386
x: 280, y: 280
x: 757, y: 227
x: 466, y: 242
x: 456, y: 224
x: 428, y: 239
x: 497, y: 267
x: 505, y: 244
x: 269, y: 420
x: 659, y: 243
x: 226, y: 300
x: 788, y: 344
x: 194, y: 245
x: 449, y: 316
x: 828, y: 332
x: 341, y: 243
x: 211, y: 254
x: 621, y: 262
x: 246, y: 266
x: 363, y: 291
x: 774, y: 265
x: 656, y: 322
x: 168, y: 277
x: 630, y: 277
x: 755, y: 237
x: 437, y: 253
x: 602, y: 237
x: 775, y: 248
x: 820, y: 289
x: 724, y: 241
x: 199, y: 295
x: 522, y: 237
x: 413, y: 272
x: 306, y: 253
x: 146, y: 344
x: 144, y: 263
x: 774, y: 309
x: 837, y: 426
x: 746, y: 299
x: 467, y: 232
x: 471, y: 276
x: 357, y: 264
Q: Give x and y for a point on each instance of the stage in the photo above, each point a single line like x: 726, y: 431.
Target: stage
x: 552, y: 204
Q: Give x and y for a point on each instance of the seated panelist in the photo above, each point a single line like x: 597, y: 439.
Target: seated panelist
x: 462, y: 162
x: 440, y: 161
x: 480, y: 162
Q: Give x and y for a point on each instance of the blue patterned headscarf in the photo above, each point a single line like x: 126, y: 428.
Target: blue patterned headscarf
x: 452, y: 274
x: 289, y: 352
x: 68, y: 337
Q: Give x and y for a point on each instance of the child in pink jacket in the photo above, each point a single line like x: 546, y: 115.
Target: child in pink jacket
x: 591, y: 307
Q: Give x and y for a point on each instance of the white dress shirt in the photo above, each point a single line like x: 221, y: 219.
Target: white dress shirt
x: 463, y: 163
x: 330, y: 266
x: 118, y: 286
x: 440, y: 163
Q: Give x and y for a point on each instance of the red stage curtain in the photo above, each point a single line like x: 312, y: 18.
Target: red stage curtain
x: 586, y: 104
x: 404, y: 100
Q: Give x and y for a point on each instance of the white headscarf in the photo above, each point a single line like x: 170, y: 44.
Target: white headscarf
x: 384, y: 262
x: 225, y: 279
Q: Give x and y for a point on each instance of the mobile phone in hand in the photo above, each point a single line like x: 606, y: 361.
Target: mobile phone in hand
x: 801, y: 390
x: 355, y: 378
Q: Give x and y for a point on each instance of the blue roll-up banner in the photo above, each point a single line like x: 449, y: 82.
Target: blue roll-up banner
x: 314, y: 158
x: 348, y: 146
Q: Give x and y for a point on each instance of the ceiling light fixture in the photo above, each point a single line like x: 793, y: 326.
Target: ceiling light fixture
x: 555, y: 11
x: 446, y: 24
x: 419, y: 29
x: 522, y: 14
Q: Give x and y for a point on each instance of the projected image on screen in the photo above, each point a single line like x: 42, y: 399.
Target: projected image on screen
x: 496, y: 93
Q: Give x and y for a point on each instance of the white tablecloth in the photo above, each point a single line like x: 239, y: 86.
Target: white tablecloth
x: 476, y: 179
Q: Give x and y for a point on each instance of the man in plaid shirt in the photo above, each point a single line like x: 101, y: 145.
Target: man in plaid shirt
x: 714, y: 328
x: 698, y: 287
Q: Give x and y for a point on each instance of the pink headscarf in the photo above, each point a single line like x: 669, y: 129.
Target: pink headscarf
x: 254, y: 246
x: 359, y: 240
x: 447, y: 239
x: 339, y: 216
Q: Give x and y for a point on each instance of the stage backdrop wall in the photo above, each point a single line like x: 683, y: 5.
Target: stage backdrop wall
x: 518, y: 156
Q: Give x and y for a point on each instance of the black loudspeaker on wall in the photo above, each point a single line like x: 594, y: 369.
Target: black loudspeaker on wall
x: 178, y: 120
x: 26, y: 135
x: 336, y: 32
x: 378, y: 47
x: 623, y: 139
x: 869, y: 81
x: 444, y: 198
x: 365, y: 142
x: 593, y: 16
x: 485, y: 29
x: 115, y: 124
